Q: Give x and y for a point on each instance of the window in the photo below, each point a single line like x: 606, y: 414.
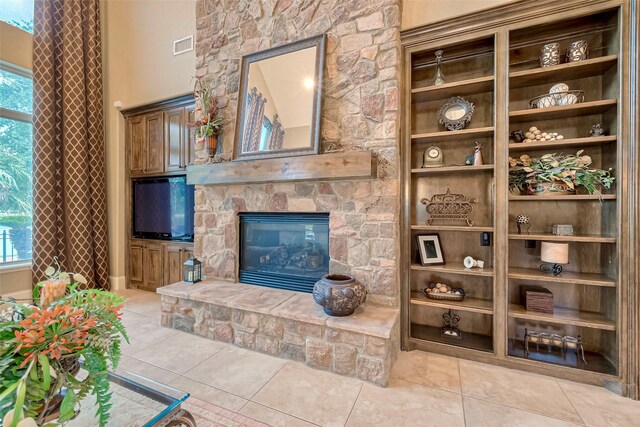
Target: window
x: 18, y: 13
x: 15, y: 164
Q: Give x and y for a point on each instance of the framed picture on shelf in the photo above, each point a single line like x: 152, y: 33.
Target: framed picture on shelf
x: 430, y: 250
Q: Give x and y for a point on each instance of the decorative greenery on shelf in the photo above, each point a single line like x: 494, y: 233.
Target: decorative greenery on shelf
x: 565, y: 171
x: 40, y: 348
x: 208, y: 122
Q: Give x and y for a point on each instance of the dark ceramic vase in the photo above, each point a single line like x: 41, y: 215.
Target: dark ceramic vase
x: 339, y: 294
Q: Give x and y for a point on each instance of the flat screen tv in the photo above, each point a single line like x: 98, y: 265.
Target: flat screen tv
x: 163, y: 208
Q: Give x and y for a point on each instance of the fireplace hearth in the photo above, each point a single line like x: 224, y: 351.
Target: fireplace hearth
x: 284, y: 250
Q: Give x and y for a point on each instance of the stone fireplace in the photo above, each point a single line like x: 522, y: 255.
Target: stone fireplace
x: 359, y: 113
x: 283, y: 250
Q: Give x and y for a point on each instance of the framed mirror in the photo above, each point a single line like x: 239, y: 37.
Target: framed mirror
x: 456, y: 113
x: 280, y: 101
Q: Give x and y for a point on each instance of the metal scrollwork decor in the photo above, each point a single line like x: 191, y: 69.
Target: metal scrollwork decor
x: 456, y: 113
x: 449, y: 206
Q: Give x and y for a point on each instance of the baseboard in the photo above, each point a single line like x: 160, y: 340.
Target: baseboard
x: 117, y: 283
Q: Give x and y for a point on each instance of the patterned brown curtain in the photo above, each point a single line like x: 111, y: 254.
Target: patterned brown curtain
x: 277, y: 134
x: 253, y: 122
x: 69, y: 195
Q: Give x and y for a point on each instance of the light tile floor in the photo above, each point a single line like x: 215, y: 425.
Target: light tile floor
x: 425, y: 389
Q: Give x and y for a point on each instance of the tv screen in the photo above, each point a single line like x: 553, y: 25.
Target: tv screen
x: 163, y: 208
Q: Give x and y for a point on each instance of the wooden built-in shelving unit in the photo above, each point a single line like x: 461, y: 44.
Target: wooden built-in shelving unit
x: 492, y: 60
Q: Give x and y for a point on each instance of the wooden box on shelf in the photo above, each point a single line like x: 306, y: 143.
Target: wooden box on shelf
x: 536, y: 298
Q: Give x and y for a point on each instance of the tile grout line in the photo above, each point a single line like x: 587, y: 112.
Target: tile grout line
x: 521, y: 409
x: 278, y: 411
x: 571, y: 403
x: 427, y: 386
x: 354, y: 404
x: 269, y: 380
x: 515, y: 407
x: 464, y: 410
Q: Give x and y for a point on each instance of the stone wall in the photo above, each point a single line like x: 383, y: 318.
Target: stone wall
x: 360, y: 112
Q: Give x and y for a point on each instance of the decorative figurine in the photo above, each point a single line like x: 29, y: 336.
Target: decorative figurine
x: 450, y: 328
x: 439, y: 76
x: 521, y: 220
x: 432, y: 157
x: 517, y: 135
x: 596, y: 130
x: 477, y: 155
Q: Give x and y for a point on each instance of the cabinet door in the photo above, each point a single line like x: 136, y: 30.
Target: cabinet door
x: 173, y: 259
x: 174, y: 140
x: 153, y: 274
x: 136, y: 263
x: 136, y: 135
x: 155, y: 143
x: 190, y: 137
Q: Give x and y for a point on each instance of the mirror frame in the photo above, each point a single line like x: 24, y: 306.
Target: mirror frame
x: 319, y: 42
x: 456, y: 124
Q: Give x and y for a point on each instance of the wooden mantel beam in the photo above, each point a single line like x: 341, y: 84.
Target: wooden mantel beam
x: 332, y: 166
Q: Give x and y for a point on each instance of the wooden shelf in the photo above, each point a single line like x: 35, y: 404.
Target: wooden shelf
x: 464, y: 228
x: 561, y: 72
x: 565, y: 316
x: 585, y: 238
x: 468, y: 340
x: 451, y: 169
x: 565, y: 277
x: 455, y: 268
x: 447, y: 90
x: 348, y: 165
x: 565, y: 143
x: 596, y: 361
x: 575, y: 197
x: 564, y: 111
x: 453, y: 135
x: 475, y: 305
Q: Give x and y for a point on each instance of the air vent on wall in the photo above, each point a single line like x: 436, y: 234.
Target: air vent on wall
x: 183, y: 45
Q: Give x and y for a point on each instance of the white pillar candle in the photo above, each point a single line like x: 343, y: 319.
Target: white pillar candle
x: 557, y: 253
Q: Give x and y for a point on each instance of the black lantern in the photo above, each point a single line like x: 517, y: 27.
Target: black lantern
x: 192, y: 271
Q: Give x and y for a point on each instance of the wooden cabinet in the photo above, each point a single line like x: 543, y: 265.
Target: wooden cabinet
x: 497, y: 69
x: 154, y: 143
x: 160, y: 140
x: 175, y: 256
x: 190, y: 137
x: 136, y: 142
x: 153, y: 264
x: 174, y: 139
x: 146, y: 264
x: 179, y: 139
x: 136, y: 263
x: 146, y: 144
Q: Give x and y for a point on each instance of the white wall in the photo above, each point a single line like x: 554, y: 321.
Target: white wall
x: 15, y: 48
x: 416, y: 13
x: 139, y: 68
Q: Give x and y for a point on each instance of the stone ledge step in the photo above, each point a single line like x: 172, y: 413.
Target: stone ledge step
x: 368, y: 319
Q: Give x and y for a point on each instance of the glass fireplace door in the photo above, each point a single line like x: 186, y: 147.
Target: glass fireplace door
x: 284, y: 250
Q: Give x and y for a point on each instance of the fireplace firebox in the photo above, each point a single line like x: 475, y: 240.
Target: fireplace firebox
x: 284, y: 250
